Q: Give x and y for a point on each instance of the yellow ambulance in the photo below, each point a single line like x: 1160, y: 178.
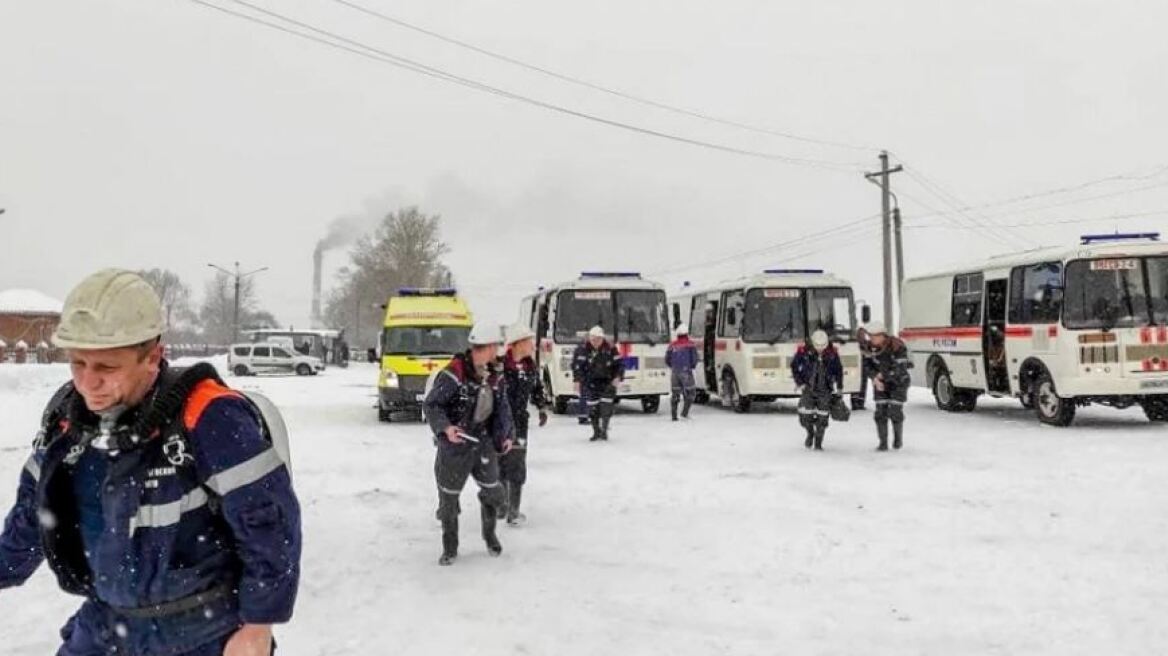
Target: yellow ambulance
x: 423, y: 330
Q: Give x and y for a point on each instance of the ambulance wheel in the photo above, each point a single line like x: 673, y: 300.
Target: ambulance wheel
x: 240, y: 370
x: 1156, y: 408
x: 701, y: 397
x: 384, y: 415
x: 650, y: 404
x: 1051, y: 408
x: 560, y: 405
x: 733, y: 396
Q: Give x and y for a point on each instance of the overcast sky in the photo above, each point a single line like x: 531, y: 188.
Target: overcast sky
x: 143, y: 133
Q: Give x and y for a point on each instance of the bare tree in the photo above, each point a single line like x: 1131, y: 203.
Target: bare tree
x: 217, y: 312
x: 176, y: 299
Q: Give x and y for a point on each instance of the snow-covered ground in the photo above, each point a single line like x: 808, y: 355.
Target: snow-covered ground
x: 987, y: 535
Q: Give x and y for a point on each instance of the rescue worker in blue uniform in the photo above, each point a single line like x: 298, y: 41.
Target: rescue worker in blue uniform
x: 597, y: 368
x: 524, y: 388
x: 154, y: 494
x: 819, y: 375
x: 468, y: 412
x: 682, y: 358
x: 888, y: 366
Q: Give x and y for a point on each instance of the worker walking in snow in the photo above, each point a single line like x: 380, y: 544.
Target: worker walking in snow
x: 597, y: 369
x: 888, y: 366
x: 682, y: 358
x: 524, y: 388
x: 468, y: 411
x: 155, y: 493
x: 819, y: 376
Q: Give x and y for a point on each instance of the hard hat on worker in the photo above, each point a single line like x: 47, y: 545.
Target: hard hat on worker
x: 876, y: 328
x: 596, y: 332
x: 819, y: 340
x: 485, y: 334
x: 518, y: 333
x: 110, y: 309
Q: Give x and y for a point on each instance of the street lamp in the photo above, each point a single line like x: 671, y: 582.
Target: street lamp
x: 237, y: 276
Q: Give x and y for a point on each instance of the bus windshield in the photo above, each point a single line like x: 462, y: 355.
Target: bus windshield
x: 773, y: 315
x: 577, y: 311
x: 1158, y: 288
x: 1106, y: 294
x: 831, y: 310
x: 641, y: 316
x: 424, y: 340
x: 633, y: 315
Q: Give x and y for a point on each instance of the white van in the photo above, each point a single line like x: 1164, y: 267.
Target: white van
x: 266, y: 358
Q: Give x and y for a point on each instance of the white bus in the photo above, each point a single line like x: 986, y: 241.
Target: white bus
x: 748, y: 330
x: 632, y: 312
x: 1055, y: 328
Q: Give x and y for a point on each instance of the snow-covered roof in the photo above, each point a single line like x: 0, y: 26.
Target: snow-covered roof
x: 28, y: 301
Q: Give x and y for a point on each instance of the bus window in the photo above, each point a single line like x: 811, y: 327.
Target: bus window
x: 1158, y: 288
x: 578, y: 311
x: 1106, y: 294
x: 732, y: 305
x: 1036, y: 293
x: 641, y: 316
x: 830, y: 310
x: 774, y: 315
x: 697, y: 316
x: 967, y: 292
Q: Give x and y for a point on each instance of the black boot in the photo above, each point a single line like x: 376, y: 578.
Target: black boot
x: 514, y: 496
x: 810, y: 439
x: 492, y: 540
x: 897, y: 435
x: 595, y: 419
x: 449, y: 542
x: 501, y: 511
x: 686, y: 406
x: 882, y: 433
x: 819, y: 431
x: 605, y: 418
x: 673, y: 409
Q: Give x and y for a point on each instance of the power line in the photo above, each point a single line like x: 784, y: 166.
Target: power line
x: 594, y: 86
x: 1095, y: 219
x: 956, y: 203
x: 364, y: 50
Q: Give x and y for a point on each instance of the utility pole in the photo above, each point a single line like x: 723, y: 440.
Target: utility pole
x: 880, y: 178
x: 238, y: 278
x: 896, y: 229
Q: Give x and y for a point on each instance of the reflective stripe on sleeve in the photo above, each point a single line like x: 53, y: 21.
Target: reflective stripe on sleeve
x: 167, y: 514
x: 245, y: 473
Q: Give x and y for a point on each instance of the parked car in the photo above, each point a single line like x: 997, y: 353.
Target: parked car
x: 252, y: 359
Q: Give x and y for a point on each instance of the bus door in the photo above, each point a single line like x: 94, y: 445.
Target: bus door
x: 994, y: 337
x: 710, y: 344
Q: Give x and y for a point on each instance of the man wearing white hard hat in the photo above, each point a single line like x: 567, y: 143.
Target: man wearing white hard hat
x: 468, y: 411
x: 682, y: 358
x: 154, y: 492
x: 888, y: 366
x: 524, y: 388
x: 818, y: 373
x: 597, y: 369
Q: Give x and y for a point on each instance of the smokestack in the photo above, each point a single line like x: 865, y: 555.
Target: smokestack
x: 317, y: 258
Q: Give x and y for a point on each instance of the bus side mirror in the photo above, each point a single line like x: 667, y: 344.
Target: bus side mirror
x: 865, y: 313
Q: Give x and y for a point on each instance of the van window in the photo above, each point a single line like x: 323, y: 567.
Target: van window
x: 280, y: 353
x: 732, y: 306
x: 1036, y: 293
x: 242, y: 351
x: 262, y: 352
x: 967, y: 293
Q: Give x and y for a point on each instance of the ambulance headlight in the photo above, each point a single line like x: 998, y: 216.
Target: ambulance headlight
x: 389, y: 379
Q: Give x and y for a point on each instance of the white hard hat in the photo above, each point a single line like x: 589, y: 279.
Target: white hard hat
x: 596, y: 331
x: 485, y: 334
x: 819, y: 340
x: 518, y: 333
x: 876, y: 328
x: 112, y: 308
x: 682, y: 330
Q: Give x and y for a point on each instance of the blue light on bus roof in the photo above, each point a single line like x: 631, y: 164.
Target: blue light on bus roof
x: 427, y: 291
x: 1120, y: 236
x: 804, y: 271
x: 610, y: 274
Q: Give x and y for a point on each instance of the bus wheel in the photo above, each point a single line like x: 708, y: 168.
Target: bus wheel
x: 650, y: 404
x: 733, y: 397
x: 1049, y: 406
x: 944, y: 392
x: 1156, y: 408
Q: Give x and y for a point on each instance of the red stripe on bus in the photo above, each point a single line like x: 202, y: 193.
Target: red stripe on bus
x: 1019, y: 331
x: 928, y: 333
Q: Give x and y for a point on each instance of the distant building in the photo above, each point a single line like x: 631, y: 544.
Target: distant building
x: 29, y: 317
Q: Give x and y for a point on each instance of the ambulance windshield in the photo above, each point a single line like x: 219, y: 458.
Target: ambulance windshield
x: 773, y: 316
x: 424, y: 340
x: 1106, y: 294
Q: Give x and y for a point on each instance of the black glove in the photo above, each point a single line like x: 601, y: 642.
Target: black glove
x: 542, y: 418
